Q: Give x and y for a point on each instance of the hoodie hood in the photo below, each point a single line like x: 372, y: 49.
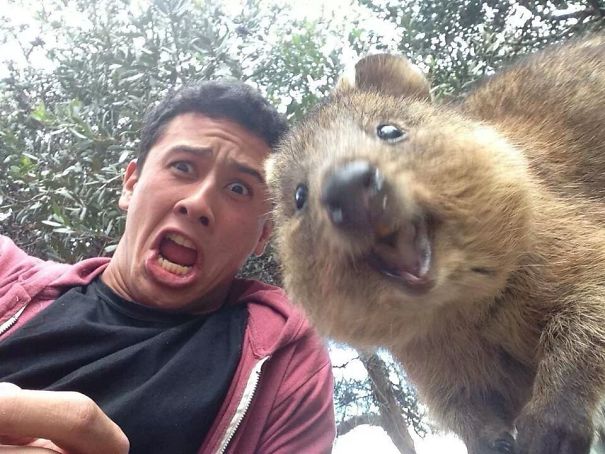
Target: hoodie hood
x: 274, y: 322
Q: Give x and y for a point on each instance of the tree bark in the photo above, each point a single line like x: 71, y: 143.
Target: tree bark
x: 390, y: 413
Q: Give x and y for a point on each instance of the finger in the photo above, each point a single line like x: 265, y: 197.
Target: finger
x: 25, y: 450
x: 35, y: 445
x: 47, y: 444
x: 71, y: 420
x: 8, y: 387
x: 10, y: 439
x: 14, y: 440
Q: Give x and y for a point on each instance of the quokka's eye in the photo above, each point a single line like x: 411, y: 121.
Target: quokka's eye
x: 300, y: 196
x: 390, y: 133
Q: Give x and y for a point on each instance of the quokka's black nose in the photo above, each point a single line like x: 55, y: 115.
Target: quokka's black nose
x: 348, y: 193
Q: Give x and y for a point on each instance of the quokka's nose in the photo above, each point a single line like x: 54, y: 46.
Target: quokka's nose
x: 348, y: 193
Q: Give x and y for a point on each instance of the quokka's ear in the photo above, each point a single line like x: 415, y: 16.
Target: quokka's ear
x: 389, y: 75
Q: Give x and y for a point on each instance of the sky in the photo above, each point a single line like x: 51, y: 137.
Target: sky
x: 365, y: 439
x: 362, y: 439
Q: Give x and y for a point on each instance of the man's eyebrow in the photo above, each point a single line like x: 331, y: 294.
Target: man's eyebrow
x: 249, y: 171
x: 204, y: 151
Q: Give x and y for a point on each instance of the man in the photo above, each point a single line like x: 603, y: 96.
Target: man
x: 165, y: 349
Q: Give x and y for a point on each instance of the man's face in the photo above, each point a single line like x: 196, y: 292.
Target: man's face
x: 195, y: 212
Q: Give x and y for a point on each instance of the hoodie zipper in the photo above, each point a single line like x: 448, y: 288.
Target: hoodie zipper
x: 243, y: 406
x: 8, y: 324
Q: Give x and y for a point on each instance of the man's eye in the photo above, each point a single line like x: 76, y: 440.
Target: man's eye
x: 239, y: 188
x: 182, y: 166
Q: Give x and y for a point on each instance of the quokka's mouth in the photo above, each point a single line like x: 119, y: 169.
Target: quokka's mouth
x: 404, y: 253
x: 363, y: 206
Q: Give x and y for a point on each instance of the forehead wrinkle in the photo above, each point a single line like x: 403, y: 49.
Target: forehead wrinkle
x: 199, y: 151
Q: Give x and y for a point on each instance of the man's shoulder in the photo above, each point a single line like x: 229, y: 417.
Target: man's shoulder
x: 12, y: 255
x: 16, y: 265
x: 29, y: 284
x: 35, y: 274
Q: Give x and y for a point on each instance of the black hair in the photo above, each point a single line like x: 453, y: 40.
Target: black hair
x: 229, y: 99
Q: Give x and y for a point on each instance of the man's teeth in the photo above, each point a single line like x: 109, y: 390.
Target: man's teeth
x: 173, y: 267
x: 179, y: 239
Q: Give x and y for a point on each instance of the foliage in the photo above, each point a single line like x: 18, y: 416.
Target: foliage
x: 69, y: 125
x: 458, y: 42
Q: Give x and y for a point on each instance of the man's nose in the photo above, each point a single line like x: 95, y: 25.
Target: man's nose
x: 199, y: 204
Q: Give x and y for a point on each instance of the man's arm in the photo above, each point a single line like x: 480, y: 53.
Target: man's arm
x: 62, y: 421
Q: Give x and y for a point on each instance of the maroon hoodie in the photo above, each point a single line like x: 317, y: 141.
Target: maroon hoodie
x: 280, y: 399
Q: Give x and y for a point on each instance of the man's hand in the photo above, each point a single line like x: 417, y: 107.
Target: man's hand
x: 37, y: 422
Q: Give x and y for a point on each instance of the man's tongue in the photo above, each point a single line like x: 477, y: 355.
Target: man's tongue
x: 176, y: 253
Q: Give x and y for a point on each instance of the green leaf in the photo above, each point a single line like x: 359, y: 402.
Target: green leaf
x: 39, y: 113
x: 51, y: 223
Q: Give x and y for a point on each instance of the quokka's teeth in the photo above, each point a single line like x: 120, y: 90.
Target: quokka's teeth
x: 173, y: 267
x: 179, y: 239
x: 383, y: 230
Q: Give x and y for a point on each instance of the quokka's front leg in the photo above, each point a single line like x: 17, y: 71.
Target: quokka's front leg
x: 480, y: 420
x: 570, y: 382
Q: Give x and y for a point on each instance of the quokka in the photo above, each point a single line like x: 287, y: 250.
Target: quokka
x: 468, y: 239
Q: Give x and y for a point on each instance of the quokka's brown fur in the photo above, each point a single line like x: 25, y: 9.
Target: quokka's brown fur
x: 468, y: 239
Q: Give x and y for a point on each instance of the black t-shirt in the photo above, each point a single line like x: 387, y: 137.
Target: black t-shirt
x: 160, y: 376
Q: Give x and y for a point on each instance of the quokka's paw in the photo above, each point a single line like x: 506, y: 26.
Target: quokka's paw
x: 503, y: 444
x: 552, y: 431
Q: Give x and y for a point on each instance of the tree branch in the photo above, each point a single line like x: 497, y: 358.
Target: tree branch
x: 384, y: 396
x: 580, y: 15
x: 593, y: 10
x: 596, y: 6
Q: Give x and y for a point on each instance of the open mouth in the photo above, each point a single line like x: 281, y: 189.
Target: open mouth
x: 404, y: 253
x: 177, y: 254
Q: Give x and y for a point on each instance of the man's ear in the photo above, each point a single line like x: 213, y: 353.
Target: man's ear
x: 131, y: 176
x: 264, y: 238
